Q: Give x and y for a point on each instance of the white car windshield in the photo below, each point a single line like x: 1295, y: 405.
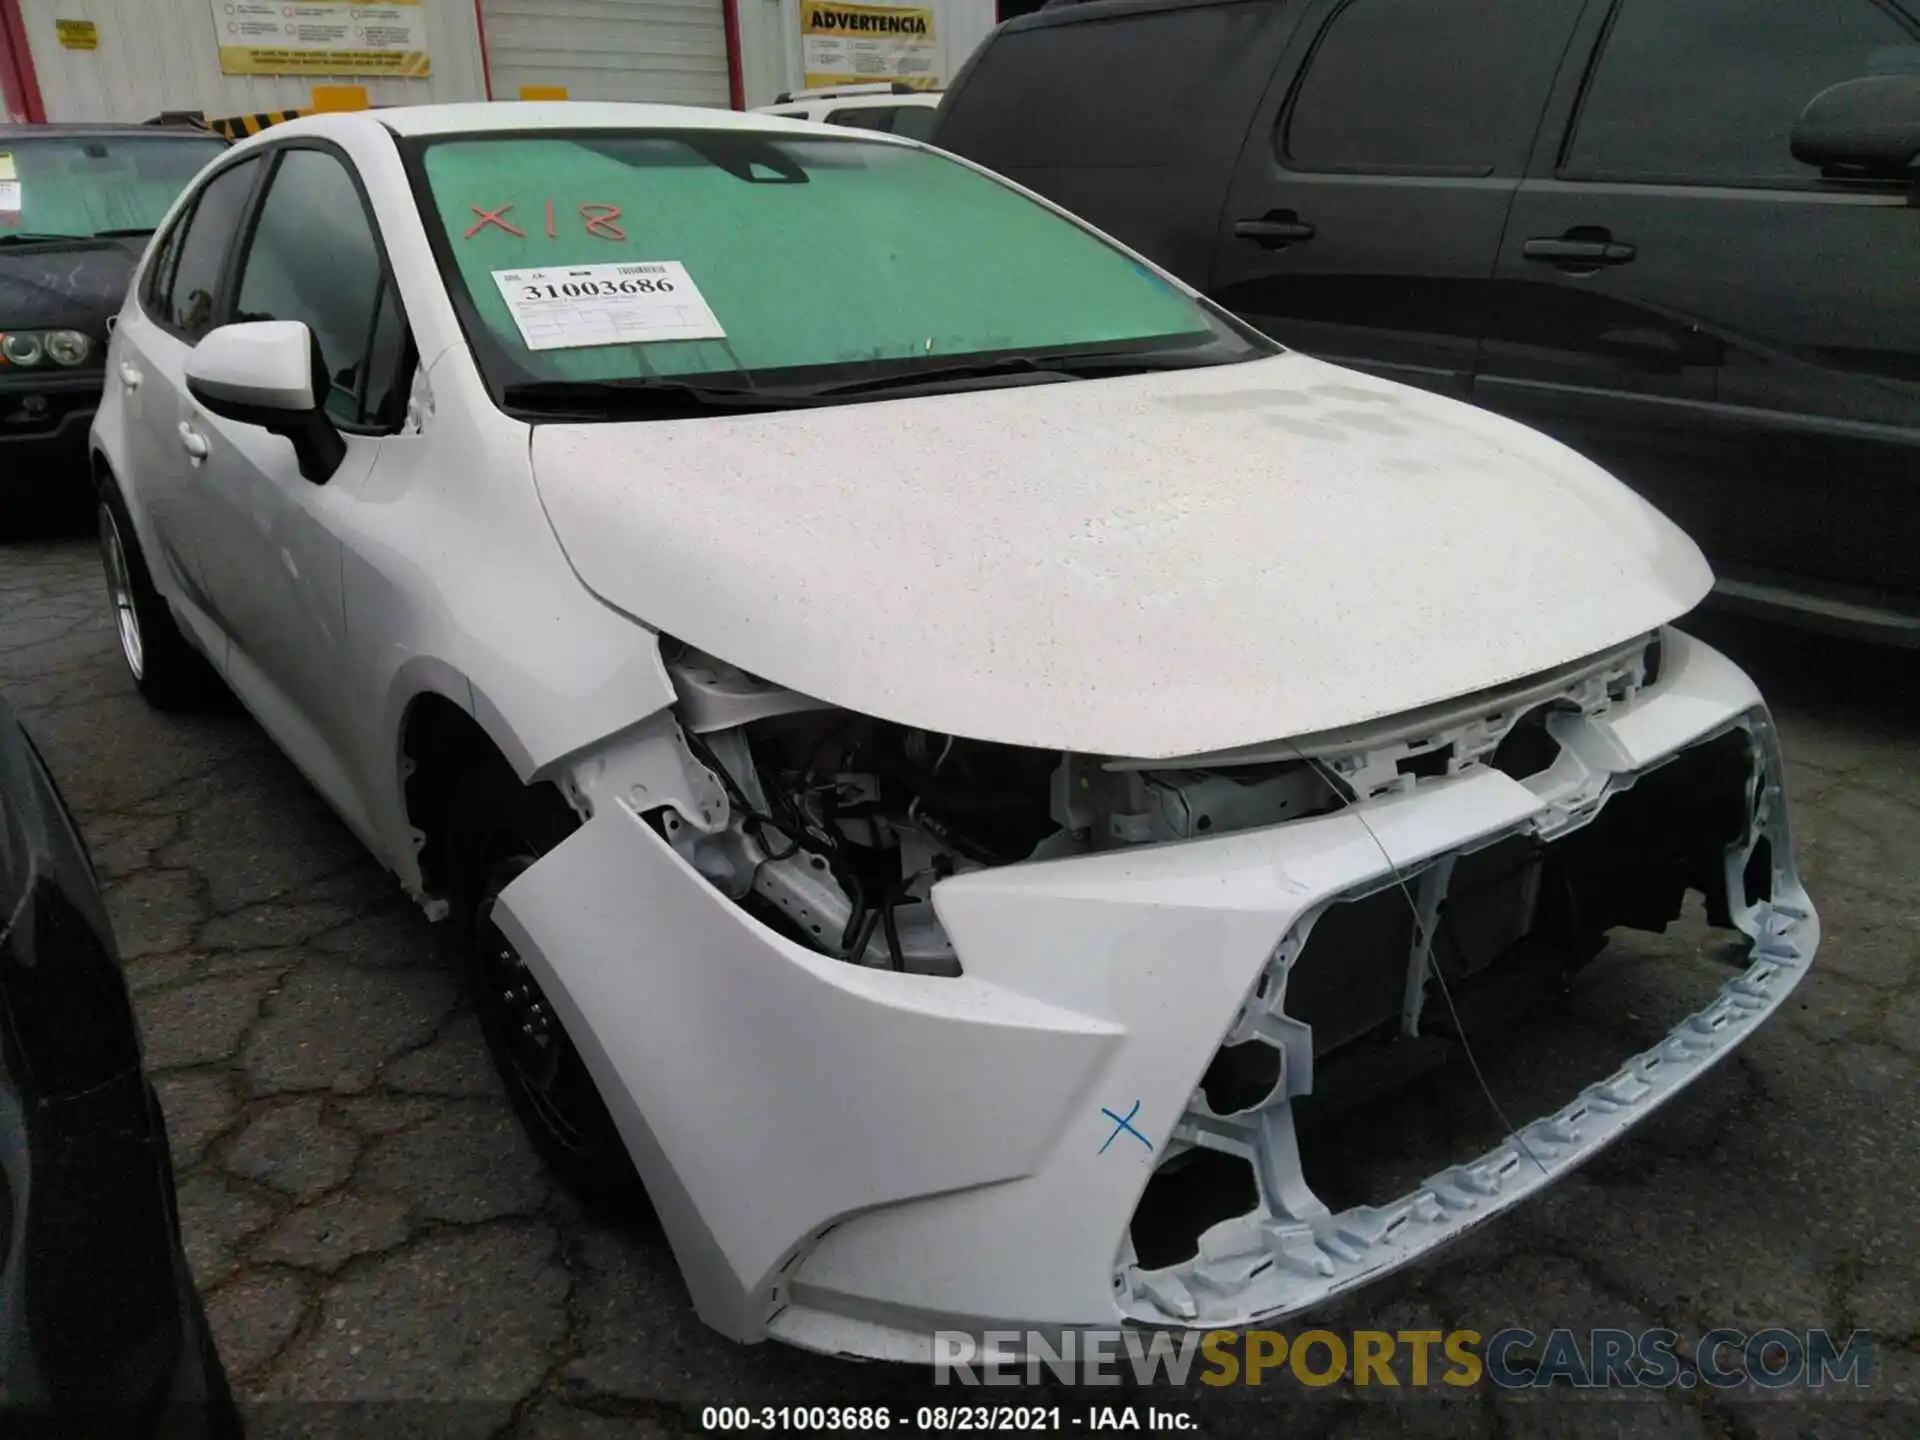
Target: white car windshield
x: 731, y: 261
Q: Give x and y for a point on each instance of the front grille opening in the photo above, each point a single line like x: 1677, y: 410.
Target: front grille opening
x: 1429, y: 765
x: 1189, y: 1194
x: 1562, y: 958
x: 1527, y: 749
x: 1240, y: 1077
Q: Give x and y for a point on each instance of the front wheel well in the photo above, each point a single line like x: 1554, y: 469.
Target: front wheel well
x: 439, y: 743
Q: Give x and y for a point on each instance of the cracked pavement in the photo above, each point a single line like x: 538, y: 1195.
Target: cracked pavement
x: 379, y: 1247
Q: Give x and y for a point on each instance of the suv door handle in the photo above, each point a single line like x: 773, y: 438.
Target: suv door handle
x: 1274, y: 230
x: 129, y: 376
x: 193, y: 442
x: 1583, y: 247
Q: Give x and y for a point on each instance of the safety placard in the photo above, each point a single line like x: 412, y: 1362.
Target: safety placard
x: 336, y: 37
x: 571, y: 307
x: 864, y: 44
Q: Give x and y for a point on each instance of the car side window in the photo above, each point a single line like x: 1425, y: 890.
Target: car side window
x: 156, y: 291
x: 869, y: 117
x: 914, y: 121
x: 313, y: 258
x: 1437, y: 87
x: 1658, y: 108
x: 187, y: 304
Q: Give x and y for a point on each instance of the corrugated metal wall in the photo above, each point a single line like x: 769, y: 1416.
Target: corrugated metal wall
x: 671, y: 52
x: 159, y: 55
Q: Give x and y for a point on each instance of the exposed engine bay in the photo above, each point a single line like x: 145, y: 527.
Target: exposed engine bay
x: 840, y: 825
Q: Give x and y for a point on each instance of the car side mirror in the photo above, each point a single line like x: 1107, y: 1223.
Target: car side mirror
x: 269, y: 373
x: 1863, y: 129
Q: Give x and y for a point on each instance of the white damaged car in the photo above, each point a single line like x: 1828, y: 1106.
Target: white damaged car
x: 921, y: 726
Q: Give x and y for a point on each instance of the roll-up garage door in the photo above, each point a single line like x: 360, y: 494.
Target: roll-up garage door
x: 670, y: 52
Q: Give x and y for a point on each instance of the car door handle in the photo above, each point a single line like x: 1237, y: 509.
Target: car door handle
x: 1580, y: 248
x: 1274, y: 230
x: 193, y: 442
x: 129, y: 376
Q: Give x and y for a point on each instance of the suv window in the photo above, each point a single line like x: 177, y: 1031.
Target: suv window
x: 1451, y: 87
x: 915, y: 121
x: 187, y: 277
x: 1138, y: 89
x: 1708, y: 90
x: 869, y: 117
x: 313, y: 258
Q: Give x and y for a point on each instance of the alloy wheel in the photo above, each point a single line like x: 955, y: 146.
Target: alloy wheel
x: 126, y: 618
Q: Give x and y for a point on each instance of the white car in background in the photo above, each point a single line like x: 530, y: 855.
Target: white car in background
x: 893, y: 107
x: 914, y: 765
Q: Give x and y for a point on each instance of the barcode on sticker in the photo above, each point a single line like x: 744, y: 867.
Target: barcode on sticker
x: 643, y: 269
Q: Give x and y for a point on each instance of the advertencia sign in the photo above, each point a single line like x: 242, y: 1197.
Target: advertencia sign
x: 860, y: 44
x: 341, y: 37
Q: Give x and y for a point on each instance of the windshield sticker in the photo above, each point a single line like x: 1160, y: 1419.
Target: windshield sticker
x: 9, y: 184
x: 573, y: 307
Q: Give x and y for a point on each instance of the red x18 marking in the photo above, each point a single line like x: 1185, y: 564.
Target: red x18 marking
x: 491, y: 217
x: 602, y: 221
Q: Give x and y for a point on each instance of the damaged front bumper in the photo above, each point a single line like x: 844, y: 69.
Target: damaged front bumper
x: 850, y: 1159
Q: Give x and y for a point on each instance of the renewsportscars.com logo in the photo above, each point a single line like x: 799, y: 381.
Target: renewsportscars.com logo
x: 1511, y: 1358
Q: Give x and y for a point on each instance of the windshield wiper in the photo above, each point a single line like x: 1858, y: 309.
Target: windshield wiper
x: 606, y: 399
x: 1066, y: 366
x: 124, y: 234
x: 32, y: 237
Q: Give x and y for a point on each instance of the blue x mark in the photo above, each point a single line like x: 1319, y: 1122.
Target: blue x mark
x: 1123, y: 1122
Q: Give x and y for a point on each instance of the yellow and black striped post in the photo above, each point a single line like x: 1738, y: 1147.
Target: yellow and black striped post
x: 238, y: 127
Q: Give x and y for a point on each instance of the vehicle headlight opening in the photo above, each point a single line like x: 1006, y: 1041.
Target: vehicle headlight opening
x: 66, y: 347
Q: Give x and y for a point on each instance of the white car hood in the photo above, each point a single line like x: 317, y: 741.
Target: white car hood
x: 1144, y: 566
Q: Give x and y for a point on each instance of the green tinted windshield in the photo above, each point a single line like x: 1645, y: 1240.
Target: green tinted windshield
x: 820, y: 256
x: 83, y: 184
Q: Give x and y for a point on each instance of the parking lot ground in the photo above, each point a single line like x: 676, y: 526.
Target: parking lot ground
x: 382, y: 1254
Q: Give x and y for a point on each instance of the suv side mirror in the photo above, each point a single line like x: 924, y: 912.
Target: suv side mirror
x: 269, y: 373
x: 1863, y: 129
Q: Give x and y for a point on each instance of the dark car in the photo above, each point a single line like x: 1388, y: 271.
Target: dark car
x: 1681, y: 235
x: 77, y: 206
x: 101, y: 1330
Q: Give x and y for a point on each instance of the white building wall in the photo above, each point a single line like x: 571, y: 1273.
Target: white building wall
x: 159, y: 55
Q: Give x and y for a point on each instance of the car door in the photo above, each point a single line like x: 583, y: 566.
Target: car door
x: 1366, y: 210
x: 1729, y: 331
x: 273, y: 552
x: 174, y: 307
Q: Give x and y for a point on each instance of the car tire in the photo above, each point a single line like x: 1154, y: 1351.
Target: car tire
x: 496, y: 828
x: 169, y: 673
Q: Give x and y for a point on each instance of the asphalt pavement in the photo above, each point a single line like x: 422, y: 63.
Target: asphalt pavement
x: 381, y: 1252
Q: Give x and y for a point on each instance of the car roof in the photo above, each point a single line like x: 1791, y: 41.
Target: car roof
x: 927, y: 98
x: 497, y: 116
x: 66, y: 130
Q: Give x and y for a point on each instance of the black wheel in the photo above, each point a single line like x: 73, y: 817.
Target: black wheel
x: 496, y: 829
x: 169, y: 672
